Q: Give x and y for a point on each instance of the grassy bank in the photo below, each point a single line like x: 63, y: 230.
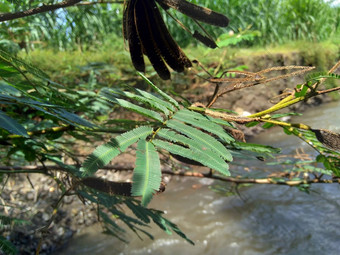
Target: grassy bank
x: 111, y: 64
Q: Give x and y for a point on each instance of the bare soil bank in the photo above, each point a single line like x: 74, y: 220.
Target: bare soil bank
x: 261, y: 97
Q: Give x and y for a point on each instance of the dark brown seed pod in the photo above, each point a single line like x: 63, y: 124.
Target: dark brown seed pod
x: 205, y: 40
x: 197, y: 12
x: 130, y: 34
x: 148, y: 38
x: 147, y: 34
x: 168, y: 48
x: 328, y: 138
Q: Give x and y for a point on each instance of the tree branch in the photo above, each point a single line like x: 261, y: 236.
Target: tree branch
x: 124, y: 167
x: 30, y: 169
x: 40, y: 9
x: 52, y: 7
x: 99, y: 2
x: 252, y: 180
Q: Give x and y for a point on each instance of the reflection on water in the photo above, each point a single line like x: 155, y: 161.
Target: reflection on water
x: 267, y: 219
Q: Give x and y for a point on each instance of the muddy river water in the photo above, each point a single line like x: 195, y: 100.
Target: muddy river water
x: 265, y: 219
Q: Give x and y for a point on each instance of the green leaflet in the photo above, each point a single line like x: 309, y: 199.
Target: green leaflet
x: 303, y: 92
x: 167, y: 226
x: 5, y: 222
x: 150, y: 96
x: 201, y: 121
x: 8, y: 89
x: 70, y: 168
x: 140, y: 98
x: 194, y: 145
x: 17, y: 63
x: 147, y: 173
x: 56, y: 111
x: 145, y: 214
x: 205, y: 139
x: 252, y: 124
x: 103, y: 154
x: 7, y: 247
x: 320, y: 75
x: 256, y: 147
x: 163, y: 94
x: 204, y: 158
x: 280, y: 115
x: 142, y: 213
x: 72, y: 118
x: 11, y: 125
x: 111, y: 227
x: 138, y: 211
x: 26, y: 101
x: 126, y: 104
x: 129, y: 221
x: 7, y: 71
x: 146, y: 112
x: 220, y: 122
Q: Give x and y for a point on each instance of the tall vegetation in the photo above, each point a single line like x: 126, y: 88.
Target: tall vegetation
x: 85, y: 26
x: 79, y: 26
x: 282, y: 20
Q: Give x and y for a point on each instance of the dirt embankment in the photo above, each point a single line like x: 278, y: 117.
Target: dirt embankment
x: 262, y: 96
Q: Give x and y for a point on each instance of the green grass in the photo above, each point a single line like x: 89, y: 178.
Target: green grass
x: 111, y: 66
x: 108, y: 63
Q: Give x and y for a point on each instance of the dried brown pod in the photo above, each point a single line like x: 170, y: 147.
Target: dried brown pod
x: 147, y: 34
x: 205, y: 40
x: 197, y: 12
x: 328, y: 138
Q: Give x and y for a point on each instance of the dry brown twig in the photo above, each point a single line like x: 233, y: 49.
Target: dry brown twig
x: 51, y: 7
x: 251, y: 79
x: 202, y: 175
x: 40, y: 9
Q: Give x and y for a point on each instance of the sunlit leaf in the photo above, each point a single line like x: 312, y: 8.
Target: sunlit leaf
x: 147, y: 173
x: 11, y: 125
x: 103, y: 154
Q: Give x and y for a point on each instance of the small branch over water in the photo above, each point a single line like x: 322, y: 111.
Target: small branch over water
x: 124, y: 167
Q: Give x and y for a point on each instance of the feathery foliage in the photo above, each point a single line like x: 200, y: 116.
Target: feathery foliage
x: 8, y: 222
x: 7, y: 247
x: 11, y: 125
x: 106, y: 152
x: 147, y: 173
x: 182, y: 127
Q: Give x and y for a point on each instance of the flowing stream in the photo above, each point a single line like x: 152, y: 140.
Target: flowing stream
x: 264, y: 219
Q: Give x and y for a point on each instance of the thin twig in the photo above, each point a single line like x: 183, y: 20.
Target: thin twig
x: 190, y: 174
x: 99, y: 2
x: 40, y: 9
x: 327, y: 91
x: 43, y: 169
x: 252, y: 180
x: 258, y: 78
